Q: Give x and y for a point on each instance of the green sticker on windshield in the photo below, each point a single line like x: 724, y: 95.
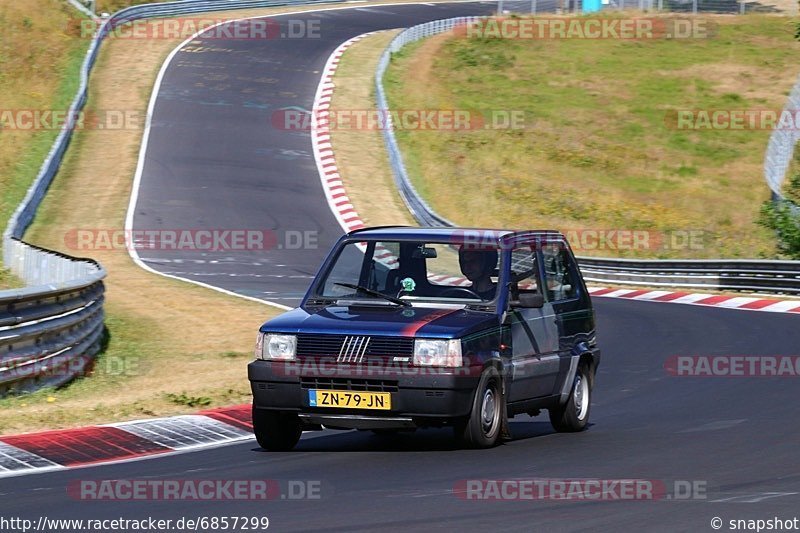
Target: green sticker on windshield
x: 408, y: 284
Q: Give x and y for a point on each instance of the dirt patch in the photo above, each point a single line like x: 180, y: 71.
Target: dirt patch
x: 748, y: 81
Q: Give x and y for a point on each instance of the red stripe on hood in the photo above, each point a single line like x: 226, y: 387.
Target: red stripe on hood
x: 411, y: 329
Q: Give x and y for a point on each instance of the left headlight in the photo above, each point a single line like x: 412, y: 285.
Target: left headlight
x: 276, y: 346
x: 436, y: 352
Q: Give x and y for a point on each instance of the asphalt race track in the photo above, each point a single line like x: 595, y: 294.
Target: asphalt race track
x: 214, y: 161
x: 737, y: 435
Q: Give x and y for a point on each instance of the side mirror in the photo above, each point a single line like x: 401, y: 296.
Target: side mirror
x: 529, y: 300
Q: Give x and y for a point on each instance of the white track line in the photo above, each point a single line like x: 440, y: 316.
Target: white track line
x: 137, y: 180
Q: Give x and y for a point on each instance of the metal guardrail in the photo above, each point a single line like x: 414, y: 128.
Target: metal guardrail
x: 52, y: 330
x: 421, y: 211
x: 731, y: 7
x: 738, y: 275
x: 781, y: 147
x: 85, y: 9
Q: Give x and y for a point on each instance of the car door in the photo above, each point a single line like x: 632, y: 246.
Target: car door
x: 563, y: 291
x: 533, y: 332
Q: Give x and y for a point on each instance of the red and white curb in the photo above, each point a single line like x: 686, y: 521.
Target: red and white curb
x: 747, y: 303
x: 124, y: 441
x: 332, y: 184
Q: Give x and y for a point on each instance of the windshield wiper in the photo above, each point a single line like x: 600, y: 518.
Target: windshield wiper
x: 377, y: 294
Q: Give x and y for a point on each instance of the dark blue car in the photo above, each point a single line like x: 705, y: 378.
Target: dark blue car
x: 428, y: 327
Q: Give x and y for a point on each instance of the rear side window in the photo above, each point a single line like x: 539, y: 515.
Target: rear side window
x: 560, y: 282
x: 523, y: 271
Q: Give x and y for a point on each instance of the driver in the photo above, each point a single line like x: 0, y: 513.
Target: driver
x: 478, y: 266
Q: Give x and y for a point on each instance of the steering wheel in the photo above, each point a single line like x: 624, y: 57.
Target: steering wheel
x: 461, y: 290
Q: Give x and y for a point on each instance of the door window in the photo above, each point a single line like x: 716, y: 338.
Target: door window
x: 558, y: 271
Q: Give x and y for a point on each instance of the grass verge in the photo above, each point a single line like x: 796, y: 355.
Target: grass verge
x: 40, y: 58
x: 9, y: 280
x: 598, y: 150
x: 169, y: 350
x: 360, y: 153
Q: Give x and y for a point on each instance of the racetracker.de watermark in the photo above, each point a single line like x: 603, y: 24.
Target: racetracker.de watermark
x: 733, y: 366
x: 733, y: 119
x: 191, y: 240
x: 193, y: 489
x: 590, y: 239
x: 206, y: 28
x: 300, y: 119
x: 547, y: 28
x: 584, y: 240
x: 66, y: 366
x: 378, y: 366
x: 579, y: 489
x: 25, y: 120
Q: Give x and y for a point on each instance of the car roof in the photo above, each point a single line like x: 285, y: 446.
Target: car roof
x: 449, y: 233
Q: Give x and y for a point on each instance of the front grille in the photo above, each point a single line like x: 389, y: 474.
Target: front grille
x: 353, y: 348
x: 351, y: 384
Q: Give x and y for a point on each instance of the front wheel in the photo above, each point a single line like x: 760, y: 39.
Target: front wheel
x: 574, y: 415
x: 276, y: 431
x: 482, y: 429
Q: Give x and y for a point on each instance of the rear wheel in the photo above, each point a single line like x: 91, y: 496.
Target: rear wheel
x: 574, y: 415
x: 276, y: 431
x: 482, y: 429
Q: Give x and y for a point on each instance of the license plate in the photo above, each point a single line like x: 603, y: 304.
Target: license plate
x: 349, y: 399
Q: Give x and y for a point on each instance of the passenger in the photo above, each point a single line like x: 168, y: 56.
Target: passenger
x: 478, y: 267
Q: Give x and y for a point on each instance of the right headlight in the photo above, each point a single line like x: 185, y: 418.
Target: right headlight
x: 437, y: 352
x: 276, y: 347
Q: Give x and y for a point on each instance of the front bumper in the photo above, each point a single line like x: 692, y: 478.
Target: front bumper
x: 420, y: 397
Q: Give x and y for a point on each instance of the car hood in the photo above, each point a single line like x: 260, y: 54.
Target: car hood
x: 382, y: 320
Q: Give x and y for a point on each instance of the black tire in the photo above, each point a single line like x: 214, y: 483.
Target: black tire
x: 276, y: 431
x: 482, y: 428
x: 574, y: 415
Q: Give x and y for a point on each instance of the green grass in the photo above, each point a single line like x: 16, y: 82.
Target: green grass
x: 598, y: 150
x: 50, y: 83
x: 122, y: 360
x: 9, y: 280
x: 31, y: 159
x: 125, y: 372
x: 112, y: 6
x: 146, y: 369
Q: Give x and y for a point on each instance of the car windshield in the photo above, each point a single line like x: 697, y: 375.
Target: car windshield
x: 411, y: 271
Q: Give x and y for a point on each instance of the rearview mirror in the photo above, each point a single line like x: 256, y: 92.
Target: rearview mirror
x: 424, y: 251
x: 529, y: 300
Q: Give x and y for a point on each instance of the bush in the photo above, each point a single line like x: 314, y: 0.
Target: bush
x: 781, y: 218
